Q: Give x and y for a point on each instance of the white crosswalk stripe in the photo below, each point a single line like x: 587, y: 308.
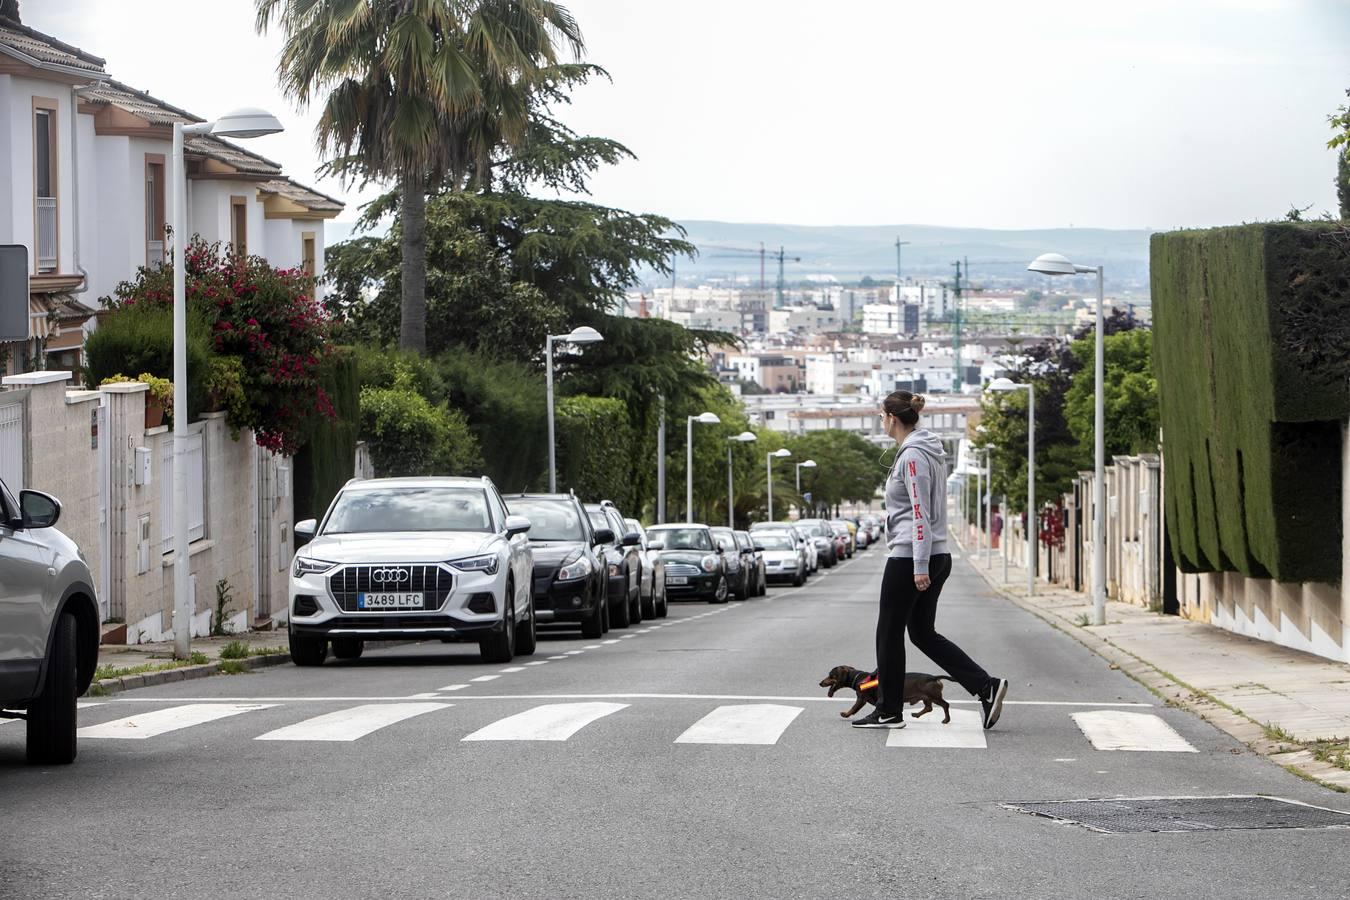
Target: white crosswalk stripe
x: 964, y: 732
x: 83, y: 704
x: 551, y: 722
x: 162, y: 721
x: 1114, y: 729
x: 350, y: 724
x: 756, y: 723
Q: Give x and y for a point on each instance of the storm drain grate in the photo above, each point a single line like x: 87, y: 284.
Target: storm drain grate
x: 1175, y: 814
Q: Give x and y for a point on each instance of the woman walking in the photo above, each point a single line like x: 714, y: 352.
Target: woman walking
x: 916, y: 568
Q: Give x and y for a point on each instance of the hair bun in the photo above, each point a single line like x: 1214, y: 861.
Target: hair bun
x: 917, y: 402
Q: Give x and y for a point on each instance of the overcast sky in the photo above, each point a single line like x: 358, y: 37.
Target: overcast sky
x: 1146, y: 113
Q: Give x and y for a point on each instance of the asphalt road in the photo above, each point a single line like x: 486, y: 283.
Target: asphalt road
x: 651, y: 785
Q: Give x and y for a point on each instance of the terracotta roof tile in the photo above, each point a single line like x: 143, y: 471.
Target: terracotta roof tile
x: 45, y: 48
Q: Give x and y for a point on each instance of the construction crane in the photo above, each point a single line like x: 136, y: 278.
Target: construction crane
x: 742, y: 253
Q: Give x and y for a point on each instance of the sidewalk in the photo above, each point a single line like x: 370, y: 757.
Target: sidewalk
x: 1290, y: 706
x: 125, y: 666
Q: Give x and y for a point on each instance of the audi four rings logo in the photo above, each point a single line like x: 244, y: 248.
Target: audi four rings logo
x: 385, y: 576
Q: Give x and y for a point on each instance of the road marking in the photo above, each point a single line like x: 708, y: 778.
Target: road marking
x: 1111, y: 729
x: 613, y: 696
x: 429, y: 695
x: 753, y: 724
x: 965, y: 731
x: 81, y: 705
x: 350, y: 724
x: 573, y: 652
x: 538, y: 662
x: 559, y: 656
x: 553, y: 722
x: 486, y: 678
x: 161, y: 721
x: 591, y: 647
x: 513, y: 669
x: 454, y: 687
x: 611, y: 641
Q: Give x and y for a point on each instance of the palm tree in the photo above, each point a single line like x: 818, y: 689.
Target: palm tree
x: 423, y: 92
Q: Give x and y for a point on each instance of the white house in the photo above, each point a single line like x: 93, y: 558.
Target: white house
x: 86, y: 159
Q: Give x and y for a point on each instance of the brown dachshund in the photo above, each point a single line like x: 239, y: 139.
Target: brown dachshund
x: 919, y: 688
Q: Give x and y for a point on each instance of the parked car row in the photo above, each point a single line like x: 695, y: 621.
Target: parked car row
x: 453, y: 559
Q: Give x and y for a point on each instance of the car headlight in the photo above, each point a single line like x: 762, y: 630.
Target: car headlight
x: 577, y: 568
x: 486, y: 564
x: 709, y: 563
x: 306, y: 566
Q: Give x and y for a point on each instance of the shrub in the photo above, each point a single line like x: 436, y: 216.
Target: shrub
x: 140, y: 339
x: 595, y: 449
x: 1249, y: 401
x: 408, y: 435
x: 504, y: 403
x: 328, y: 458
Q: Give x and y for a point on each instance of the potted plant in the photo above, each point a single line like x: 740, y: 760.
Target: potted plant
x: 159, y: 399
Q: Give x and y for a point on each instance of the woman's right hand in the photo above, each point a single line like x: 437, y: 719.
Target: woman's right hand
x: 922, y: 582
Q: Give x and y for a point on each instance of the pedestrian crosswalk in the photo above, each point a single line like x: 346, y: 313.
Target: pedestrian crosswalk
x: 684, y: 723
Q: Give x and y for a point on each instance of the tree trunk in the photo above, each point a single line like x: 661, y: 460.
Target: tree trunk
x: 412, y: 334
x: 1343, y: 184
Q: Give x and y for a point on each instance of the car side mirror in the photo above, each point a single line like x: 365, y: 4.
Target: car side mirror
x: 304, y: 530
x: 632, y: 539
x: 603, y: 536
x: 759, y: 549
x: 721, y: 552
x: 656, y: 545
x: 39, y: 510
x: 516, y: 525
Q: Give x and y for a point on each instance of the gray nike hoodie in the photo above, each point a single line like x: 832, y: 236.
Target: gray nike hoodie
x: 916, y: 500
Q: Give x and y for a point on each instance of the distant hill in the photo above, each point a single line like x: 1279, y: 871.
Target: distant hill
x: 851, y: 251
x: 848, y: 252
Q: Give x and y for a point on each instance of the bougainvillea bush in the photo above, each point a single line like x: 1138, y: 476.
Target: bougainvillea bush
x: 268, y: 319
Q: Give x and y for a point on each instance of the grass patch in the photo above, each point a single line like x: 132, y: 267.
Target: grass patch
x: 1082, y: 620
x: 232, y: 667
x: 1276, y: 733
x: 107, y: 671
x: 267, y: 651
x: 1335, y: 752
x: 234, y: 650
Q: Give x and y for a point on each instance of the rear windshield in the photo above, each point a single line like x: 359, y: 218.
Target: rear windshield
x: 598, y: 519
x: 682, y: 538
x: 725, y: 539
x: 410, y: 509
x: 550, y: 520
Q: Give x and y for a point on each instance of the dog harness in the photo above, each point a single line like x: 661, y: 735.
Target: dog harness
x: 867, y: 683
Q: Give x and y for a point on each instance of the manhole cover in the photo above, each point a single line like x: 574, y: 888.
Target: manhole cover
x: 1169, y: 814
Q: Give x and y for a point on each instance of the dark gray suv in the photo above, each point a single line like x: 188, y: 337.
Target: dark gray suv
x: 48, y: 624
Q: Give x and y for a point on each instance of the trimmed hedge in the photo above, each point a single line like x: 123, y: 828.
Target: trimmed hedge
x: 328, y: 459
x: 1246, y: 325
x: 139, y: 338
x: 596, y: 450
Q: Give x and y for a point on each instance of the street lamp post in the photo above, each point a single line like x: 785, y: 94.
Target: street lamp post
x: 744, y: 437
x: 1054, y: 264
x: 583, y: 335
x: 988, y: 508
x: 809, y: 464
x: 242, y: 123
x: 706, y: 418
x: 781, y: 453
x: 1003, y: 385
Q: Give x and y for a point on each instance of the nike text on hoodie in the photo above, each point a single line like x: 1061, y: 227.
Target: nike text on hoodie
x: 916, y: 494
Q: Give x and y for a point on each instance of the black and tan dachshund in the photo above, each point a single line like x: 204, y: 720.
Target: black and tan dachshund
x: 919, y: 688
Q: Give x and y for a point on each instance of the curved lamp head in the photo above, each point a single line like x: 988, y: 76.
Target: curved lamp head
x: 781, y: 453
x: 1004, y: 384
x: 809, y: 464
x: 1056, y: 264
x: 707, y: 418
x: 584, y: 335
x: 249, y: 122
x: 744, y: 437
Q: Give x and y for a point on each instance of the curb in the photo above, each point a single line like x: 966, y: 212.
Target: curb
x: 122, y: 683
x: 1175, y: 692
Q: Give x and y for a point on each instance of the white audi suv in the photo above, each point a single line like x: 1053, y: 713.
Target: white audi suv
x: 412, y: 559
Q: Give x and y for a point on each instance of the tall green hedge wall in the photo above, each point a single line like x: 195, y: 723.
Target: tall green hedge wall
x: 328, y: 459
x: 596, y: 450
x: 1251, y: 409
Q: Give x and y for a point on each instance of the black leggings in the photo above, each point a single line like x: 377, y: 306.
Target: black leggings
x: 903, y: 605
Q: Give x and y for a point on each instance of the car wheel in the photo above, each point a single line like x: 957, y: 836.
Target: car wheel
x: 619, y: 614
x: 635, y: 609
x: 594, y: 625
x: 663, y: 608
x: 307, y: 650
x: 501, y: 647
x: 799, y: 580
x: 721, y: 591
x: 649, y: 605
x: 348, y: 648
x: 51, y: 717
x: 527, y: 637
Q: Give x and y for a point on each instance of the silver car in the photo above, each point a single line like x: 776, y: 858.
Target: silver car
x: 49, y: 624
x: 653, y: 589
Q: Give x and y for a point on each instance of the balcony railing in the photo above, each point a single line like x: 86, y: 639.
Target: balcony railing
x: 154, y: 253
x: 46, y: 234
